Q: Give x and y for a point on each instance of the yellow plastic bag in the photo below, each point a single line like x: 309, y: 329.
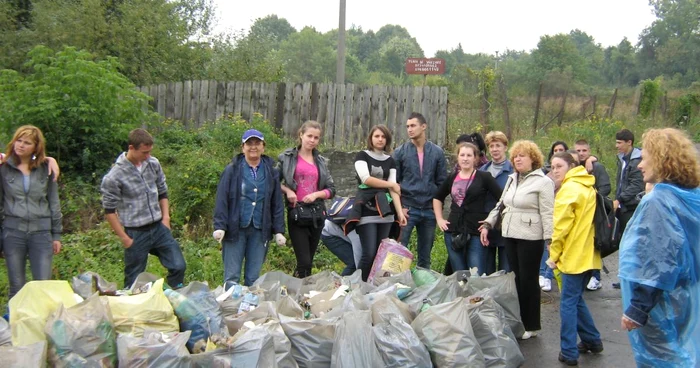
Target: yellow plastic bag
x: 132, y: 314
x: 31, y: 307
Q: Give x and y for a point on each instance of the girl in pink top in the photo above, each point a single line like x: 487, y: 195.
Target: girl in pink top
x: 306, y: 182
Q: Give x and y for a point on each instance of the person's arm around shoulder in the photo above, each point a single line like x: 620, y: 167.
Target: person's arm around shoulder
x: 602, y: 180
x: 111, y: 195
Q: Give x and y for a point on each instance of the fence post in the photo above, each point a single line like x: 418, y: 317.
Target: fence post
x: 537, y: 110
x: 504, y: 102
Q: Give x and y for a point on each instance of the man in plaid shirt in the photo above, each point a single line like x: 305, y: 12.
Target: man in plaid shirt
x: 135, y: 199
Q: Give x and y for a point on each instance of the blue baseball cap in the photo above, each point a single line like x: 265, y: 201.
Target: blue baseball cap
x: 252, y: 133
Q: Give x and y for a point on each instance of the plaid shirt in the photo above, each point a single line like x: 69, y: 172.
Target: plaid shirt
x: 134, y: 194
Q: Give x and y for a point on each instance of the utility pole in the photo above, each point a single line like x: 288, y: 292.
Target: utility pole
x: 496, y: 68
x: 340, y: 68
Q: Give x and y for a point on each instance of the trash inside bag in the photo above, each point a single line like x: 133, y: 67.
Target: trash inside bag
x: 354, y: 342
x: 287, y: 306
x: 435, y: 293
x: 392, y: 258
x: 5, y: 333
x: 498, y: 344
x: 31, y: 355
x: 266, y: 311
x: 283, y: 347
x: 268, y: 280
x: 31, y: 307
x: 388, y: 307
x: 197, y: 310
x: 312, y: 340
x: 446, y: 331
x: 134, y: 313
x: 320, y: 282
x: 82, y: 335
x: 88, y: 283
x: 399, y: 346
x: 253, y: 349
x: 153, y: 350
x: 144, y: 281
x: 501, y: 287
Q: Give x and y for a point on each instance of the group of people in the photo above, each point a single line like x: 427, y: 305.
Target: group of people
x: 513, y: 213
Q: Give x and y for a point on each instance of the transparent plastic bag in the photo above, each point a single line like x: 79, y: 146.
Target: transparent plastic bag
x: 30, y: 355
x: 153, y: 350
x: 312, y: 340
x: 399, y: 346
x: 354, y: 342
x: 197, y: 311
x: 498, y: 344
x: 501, y: 287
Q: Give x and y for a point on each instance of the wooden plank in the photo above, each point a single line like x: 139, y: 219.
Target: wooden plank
x: 374, y: 107
x: 186, y: 97
x: 322, y: 114
x: 153, y: 92
x: 338, y: 139
x: 348, y: 134
x: 435, y: 113
x: 366, y: 121
x: 399, y: 120
x: 381, y: 103
x: 263, y: 95
x: 254, y: 100
x: 296, y: 107
x: 443, y: 107
x: 245, y: 100
x: 230, y: 93
x: 391, y: 108
x: 238, y: 99
x: 220, y: 110
x: 288, y: 124
x: 211, y: 101
x: 330, y: 114
x: 426, y: 111
x: 177, y: 102
x: 407, y: 108
x: 203, y: 103
x: 271, y: 102
x: 279, y: 106
x: 169, y: 100
x: 305, y: 102
x: 313, y: 102
x: 194, y: 103
x: 356, y: 117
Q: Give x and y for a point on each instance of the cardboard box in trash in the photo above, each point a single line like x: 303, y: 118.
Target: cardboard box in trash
x: 392, y: 258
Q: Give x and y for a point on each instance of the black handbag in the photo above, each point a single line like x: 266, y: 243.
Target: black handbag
x: 308, y: 214
x: 460, y: 241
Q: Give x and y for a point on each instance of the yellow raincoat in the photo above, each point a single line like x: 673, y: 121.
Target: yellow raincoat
x: 572, y: 247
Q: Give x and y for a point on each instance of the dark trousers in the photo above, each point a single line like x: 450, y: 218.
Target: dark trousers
x: 624, y: 218
x: 157, y: 240
x: 370, y: 237
x: 524, y: 259
x: 305, y: 242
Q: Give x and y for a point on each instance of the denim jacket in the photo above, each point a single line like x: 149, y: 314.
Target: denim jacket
x: 37, y: 210
x: 227, y: 207
x: 418, y: 189
x: 287, y: 165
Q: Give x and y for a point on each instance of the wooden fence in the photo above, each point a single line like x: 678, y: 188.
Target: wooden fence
x: 346, y: 111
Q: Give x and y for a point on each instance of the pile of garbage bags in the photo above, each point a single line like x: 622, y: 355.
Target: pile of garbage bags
x: 415, y: 318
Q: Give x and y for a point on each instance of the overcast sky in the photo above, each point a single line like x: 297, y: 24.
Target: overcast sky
x: 480, y: 26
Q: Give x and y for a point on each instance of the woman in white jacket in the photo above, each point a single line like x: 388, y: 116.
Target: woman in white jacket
x: 526, y: 212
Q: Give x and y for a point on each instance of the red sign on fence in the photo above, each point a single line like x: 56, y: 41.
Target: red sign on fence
x: 425, y: 66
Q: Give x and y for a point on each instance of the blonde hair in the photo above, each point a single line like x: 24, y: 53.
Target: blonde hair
x: 35, y: 134
x: 530, y: 149
x: 496, y: 136
x: 311, y: 124
x: 673, y: 157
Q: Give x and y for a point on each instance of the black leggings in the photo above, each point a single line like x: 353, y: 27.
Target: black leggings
x: 370, y: 237
x: 305, y: 242
x: 524, y: 257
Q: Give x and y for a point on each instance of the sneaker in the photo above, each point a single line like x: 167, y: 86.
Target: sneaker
x: 593, y: 284
x: 528, y: 334
x: 547, y: 286
x: 569, y: 362
x: 542, y: 281
x: 584, y: 348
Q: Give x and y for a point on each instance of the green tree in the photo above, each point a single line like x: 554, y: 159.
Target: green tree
x: 271, y: 28
x: 245, y: 58
x: 84, y: 107
x: 558, y: 54
x: 392, y: 56
x: 308, y: 57
x: 619, y: 64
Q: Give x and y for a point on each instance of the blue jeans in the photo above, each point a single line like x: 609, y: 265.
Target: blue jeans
x: 17, y: 246
x: 545, y: 271
x: 249, y: 245
x: 596, y: 274
x: 343, y: 250
x: 424, y: 222
x: 159, y: 241
x: 575, y: 316
x: 474, y: 255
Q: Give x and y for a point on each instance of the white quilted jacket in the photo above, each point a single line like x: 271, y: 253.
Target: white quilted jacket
x: 529, y: 207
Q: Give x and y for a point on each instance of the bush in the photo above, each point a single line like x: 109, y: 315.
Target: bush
x: 84, y: 107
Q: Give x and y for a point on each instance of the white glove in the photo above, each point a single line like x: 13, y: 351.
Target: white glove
x: 280, y: 240
x: 219, y: 235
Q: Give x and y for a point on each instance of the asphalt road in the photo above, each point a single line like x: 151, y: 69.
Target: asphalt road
x: 606, y: 307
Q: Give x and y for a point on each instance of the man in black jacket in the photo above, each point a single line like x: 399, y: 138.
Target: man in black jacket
x: 629, y: 178
x: 602, y: 179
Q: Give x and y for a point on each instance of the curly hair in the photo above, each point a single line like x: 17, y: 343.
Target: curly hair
x: 673, y: 157
x: 529, y: 148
